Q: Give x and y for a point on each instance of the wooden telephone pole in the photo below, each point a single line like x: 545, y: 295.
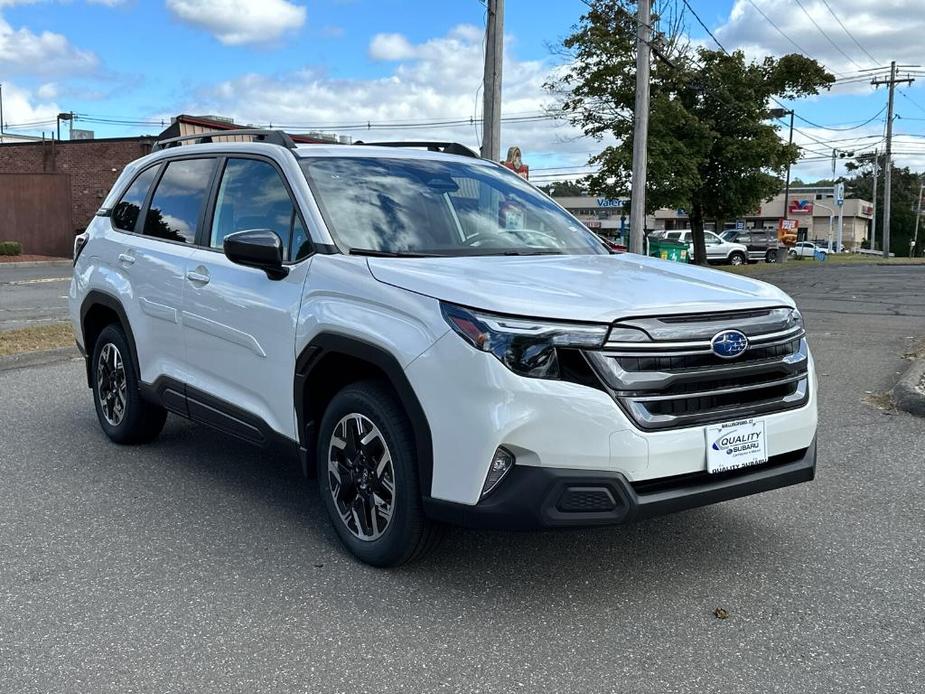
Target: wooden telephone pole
x: 491, y: 84
x: 892, y: 81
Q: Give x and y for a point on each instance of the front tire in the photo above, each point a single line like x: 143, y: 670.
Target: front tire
x: 124, y: 416
x: 368, y: 477
x: 770, y: 257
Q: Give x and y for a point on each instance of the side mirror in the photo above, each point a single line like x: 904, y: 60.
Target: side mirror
x: 259, y: 248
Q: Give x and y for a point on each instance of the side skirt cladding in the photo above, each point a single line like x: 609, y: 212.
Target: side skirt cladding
x: 311, y: 392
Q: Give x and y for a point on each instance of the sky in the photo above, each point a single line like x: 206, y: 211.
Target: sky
x: 362, y: 67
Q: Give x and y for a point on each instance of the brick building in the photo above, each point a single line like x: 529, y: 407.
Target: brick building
x: 33, y: 175
x: 92, y: 166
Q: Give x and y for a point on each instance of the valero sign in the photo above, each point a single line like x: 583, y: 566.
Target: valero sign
x: 800, y: 207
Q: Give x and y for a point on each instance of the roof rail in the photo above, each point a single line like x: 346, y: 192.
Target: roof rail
x: 275, y: 137
x: 445, y: 147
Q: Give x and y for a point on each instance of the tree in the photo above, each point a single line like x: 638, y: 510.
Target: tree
x: 904, y: 204
x: 711, y: 149
x: 558, y: 189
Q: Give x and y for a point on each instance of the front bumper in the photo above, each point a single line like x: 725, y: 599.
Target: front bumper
x: 537, y: 497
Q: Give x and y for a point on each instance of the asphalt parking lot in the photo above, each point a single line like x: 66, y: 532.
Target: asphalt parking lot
x: 200, y: 564
x: 33, y: 295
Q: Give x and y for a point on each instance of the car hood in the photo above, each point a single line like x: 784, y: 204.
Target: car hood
x: 598, y: 288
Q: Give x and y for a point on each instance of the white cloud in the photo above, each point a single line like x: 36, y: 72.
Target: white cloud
x: 24, y: 52
x: 436, y: 80
x: 886, y: 30
x: 236, y: 22
x: 390, y: 47
x: 47, y: 91
x: 22, y: 106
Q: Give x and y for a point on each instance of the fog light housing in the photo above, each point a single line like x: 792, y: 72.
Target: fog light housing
x: 501, y: 463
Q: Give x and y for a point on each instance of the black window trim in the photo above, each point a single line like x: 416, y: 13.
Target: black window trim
x: 143, y: 213
x: 144, y: 201
x: 203, y: 238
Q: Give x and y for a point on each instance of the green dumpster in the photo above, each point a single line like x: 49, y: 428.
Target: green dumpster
x: 669, y: 250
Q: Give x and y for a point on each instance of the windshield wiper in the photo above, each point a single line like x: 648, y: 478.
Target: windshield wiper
x: 533, y: 252
x: 375, y: 253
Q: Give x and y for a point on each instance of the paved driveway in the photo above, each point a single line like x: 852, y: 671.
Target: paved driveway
x: 33, y: 295
x: 200, y: 564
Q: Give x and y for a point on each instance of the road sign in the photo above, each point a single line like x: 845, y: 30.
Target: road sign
x: 839, y: 194
x: 740, y: 224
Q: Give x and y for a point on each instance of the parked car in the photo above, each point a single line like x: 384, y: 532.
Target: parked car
x: 761, y: 243
x: 807, y: 249
x: 611, y: 244
x: 435, y: 339
x: 718, y: 250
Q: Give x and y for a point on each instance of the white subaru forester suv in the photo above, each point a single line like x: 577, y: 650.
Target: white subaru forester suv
x: 435, y: 338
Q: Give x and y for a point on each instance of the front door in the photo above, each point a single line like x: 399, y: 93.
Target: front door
x: 239, y: 325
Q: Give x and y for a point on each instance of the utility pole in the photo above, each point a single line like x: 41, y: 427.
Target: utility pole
x: 918, y: 217
x: 1, y: 111
x: 873, y: 217
x: 491, y: 81
x: 887, y: 161
x: 640, y: 128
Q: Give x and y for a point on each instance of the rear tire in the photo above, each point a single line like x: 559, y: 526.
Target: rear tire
x: 737, y: 259
x: 124, y: 416
x: 368, y: 476
x: 770, y: 257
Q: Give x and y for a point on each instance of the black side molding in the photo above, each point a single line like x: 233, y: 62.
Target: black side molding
x: 199, y: 406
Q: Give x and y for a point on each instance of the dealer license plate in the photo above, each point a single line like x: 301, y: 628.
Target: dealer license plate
x: 734, y: 445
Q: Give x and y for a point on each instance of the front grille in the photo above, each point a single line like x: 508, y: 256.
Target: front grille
x: 675, y: 380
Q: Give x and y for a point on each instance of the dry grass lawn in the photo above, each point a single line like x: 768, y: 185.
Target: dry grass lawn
x: 36, y: 338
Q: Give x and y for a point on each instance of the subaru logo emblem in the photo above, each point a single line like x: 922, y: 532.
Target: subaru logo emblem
x: 729, y: 344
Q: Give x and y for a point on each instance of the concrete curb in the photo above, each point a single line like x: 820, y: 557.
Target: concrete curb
x: 38, y: 263
x: 909, y: 392
x: 48, y: 356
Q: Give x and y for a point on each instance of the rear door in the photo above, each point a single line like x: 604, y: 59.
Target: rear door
x: 239, y: 325
x: 153, y: 257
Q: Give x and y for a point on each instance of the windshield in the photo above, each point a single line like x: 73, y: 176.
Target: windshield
x: 436, y: 207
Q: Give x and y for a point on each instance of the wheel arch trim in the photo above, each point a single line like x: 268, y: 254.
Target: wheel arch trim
x: 327, y: 343
x: 94, y: 298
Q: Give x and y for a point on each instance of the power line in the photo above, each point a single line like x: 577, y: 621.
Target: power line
x: 822, y: 31
x: 700, y: 22
x: 912, y: 101
x: 850, y: 35
x: 828, y: 127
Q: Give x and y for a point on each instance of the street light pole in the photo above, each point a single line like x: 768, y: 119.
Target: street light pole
x: 63, y: 116
x: 873, y: 217
x: 787, y: 184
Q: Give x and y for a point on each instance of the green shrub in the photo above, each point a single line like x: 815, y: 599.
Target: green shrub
x: 10, y: 248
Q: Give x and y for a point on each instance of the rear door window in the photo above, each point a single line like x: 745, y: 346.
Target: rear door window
x: 178, y: 200
x: 125, y: 213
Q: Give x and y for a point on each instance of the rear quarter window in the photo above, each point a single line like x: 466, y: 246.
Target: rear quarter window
x: 125, y: 213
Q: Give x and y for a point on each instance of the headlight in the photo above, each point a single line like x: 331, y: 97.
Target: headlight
x: 795, y: 319
x: 527, y: 347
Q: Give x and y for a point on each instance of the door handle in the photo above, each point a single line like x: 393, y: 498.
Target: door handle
x: 126, y: 259
x: 198, y: 277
